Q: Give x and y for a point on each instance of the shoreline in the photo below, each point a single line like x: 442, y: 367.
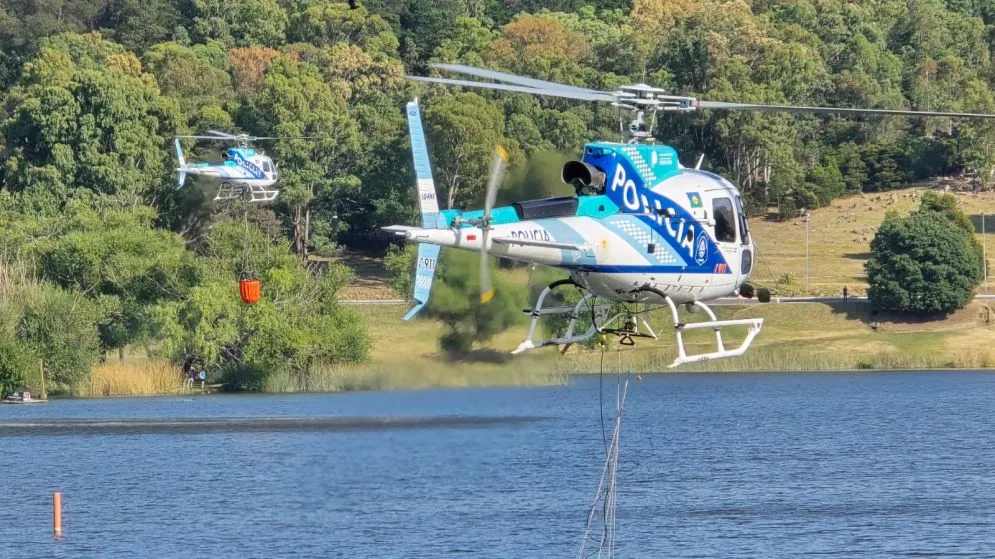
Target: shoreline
x: 557, y: 379
x: 800, y: 337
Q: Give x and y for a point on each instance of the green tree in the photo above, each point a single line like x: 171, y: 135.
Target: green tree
x: 400, y: 264
x: 464, y: 43
x: 295, y: 326
x: 190, y: 74
x: 321, y: 142
x: 70, y: 126
x: 252, y: 22
x: 139, y: 24
x: 61, y: 327
x: 928, y: 262
x: 456, y: 302
x: 15, y: 359
x: 462, y: 132
x: 327, y: 24
x: 123, y: 264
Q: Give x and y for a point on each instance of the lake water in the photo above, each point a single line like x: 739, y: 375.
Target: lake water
x: 746, y: 465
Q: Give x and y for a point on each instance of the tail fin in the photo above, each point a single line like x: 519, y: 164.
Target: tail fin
x: 428, y: 255
x: 183, y: 163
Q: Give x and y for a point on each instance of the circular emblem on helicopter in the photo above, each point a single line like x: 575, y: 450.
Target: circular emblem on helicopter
x: 701, y: 249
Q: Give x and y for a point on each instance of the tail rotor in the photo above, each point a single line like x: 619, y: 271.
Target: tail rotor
x: 498, y: 166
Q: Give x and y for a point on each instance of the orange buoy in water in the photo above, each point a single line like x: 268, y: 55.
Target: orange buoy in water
x: 250, y: 289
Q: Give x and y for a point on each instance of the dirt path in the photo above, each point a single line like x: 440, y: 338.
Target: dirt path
x: 370, y: 282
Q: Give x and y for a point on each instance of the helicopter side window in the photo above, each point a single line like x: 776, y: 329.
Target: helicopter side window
x: 267, y: 167
x: 725, y: 220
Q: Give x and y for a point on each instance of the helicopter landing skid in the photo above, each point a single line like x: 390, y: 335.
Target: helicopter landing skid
x: 227, y: 191
x: 754, y: 325
x: 625, y: 325
x: 600, y: 312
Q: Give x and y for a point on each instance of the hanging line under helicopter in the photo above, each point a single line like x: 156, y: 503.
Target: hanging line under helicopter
x: 249, y: 284
x: 599, y: 530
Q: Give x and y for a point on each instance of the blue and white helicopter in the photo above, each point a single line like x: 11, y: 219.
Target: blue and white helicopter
x: 641, y: 229
x: 243, y: 173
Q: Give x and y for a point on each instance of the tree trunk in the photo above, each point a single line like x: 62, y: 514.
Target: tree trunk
x: 297, y: 229
x: 307, y: 222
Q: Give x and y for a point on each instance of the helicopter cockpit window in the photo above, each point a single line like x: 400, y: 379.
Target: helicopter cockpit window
x: 267, y: 167
x: 725, y: 220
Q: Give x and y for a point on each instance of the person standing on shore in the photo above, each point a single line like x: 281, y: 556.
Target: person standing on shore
x: 845, y: 293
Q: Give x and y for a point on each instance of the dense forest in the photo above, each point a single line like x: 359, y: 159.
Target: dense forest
x: 101, y: 251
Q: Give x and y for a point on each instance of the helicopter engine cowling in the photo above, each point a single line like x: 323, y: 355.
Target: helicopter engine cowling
x: 584, y: 177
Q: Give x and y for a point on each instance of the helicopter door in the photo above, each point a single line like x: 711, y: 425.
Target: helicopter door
x: 725, y: 219
x: 268, y: 169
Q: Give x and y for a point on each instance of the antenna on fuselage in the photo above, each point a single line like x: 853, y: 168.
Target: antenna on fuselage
x: 701, y: 158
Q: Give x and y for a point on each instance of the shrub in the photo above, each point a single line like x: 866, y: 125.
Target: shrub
x: 61, y: 326
x: 15, y: 361
x: 928, y: 262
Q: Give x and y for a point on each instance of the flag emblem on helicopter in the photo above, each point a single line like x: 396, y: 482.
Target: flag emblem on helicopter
x: 695, y: 199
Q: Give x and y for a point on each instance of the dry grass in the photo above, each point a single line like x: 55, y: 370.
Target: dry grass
x: 133, y: 378
x: 839, y: 240
x: 796, y: 337
x: 420, y: 373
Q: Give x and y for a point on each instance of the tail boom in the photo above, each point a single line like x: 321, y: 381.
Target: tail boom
x: 471, y: 238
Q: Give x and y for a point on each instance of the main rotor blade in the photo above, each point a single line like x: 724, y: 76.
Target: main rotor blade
x: 833, y: 110
x: 566, y: 93
x: 200, y: 137
x: 510, y: 78
x: 222, y: 134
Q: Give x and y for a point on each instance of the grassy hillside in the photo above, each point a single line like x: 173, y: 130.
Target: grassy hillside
x: 839, y: 241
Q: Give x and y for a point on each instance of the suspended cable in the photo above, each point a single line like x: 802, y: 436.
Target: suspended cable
x: 601, y: 543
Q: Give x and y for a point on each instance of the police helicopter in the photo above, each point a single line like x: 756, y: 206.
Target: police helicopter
x: 641, y: 229
x: 243, y: 172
